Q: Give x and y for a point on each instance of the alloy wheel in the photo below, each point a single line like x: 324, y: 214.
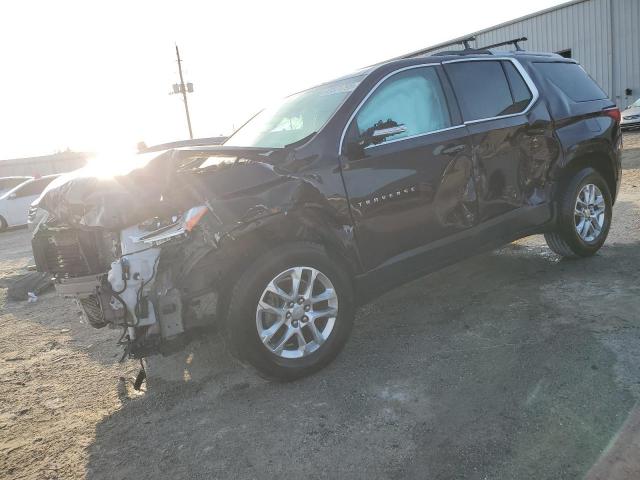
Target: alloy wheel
x: 589, y: 213
x: 297, y: 312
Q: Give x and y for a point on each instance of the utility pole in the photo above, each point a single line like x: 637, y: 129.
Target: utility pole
x: 182, y: 88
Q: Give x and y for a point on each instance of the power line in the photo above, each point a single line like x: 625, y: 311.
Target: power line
x: 183, y: 88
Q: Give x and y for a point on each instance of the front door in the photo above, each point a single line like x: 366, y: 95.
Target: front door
x: 415, y: 186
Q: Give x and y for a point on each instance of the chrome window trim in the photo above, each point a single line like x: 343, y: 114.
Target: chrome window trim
x: 415, y: 136
x: 535, y: 95
x: 523, y: 73
x: 373, y: 89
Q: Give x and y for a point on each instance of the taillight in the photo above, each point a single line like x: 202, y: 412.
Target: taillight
x: 614, y: 113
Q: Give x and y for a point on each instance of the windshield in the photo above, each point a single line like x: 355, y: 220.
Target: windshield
x: 636, y: 103
x: 294, y: 117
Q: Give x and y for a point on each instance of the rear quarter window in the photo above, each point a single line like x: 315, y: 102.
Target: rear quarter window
x: 572, y: 80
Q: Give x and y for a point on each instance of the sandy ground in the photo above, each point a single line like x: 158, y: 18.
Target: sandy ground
x: 513, y: 364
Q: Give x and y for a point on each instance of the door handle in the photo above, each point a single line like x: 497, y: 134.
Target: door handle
x: 454, y: 150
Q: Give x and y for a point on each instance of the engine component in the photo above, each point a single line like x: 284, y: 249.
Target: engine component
x: 131, y: 277
x: 170, y: 313
x: 78, y: 286
x: 72, y: 253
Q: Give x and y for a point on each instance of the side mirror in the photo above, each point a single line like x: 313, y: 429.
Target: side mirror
x: 355, y: 149
x: 378, y: 135
x: 381, y: 134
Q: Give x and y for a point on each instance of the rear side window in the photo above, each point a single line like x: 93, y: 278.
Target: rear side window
x: 572, y: 80
x: 519, y: 89
x: 483, y: 90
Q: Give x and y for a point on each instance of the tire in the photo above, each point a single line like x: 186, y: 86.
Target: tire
x: 566, y: 240
x: 3, y: 224
x: 251, y: 312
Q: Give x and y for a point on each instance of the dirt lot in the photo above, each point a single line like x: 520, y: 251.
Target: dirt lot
x: 513, y: 364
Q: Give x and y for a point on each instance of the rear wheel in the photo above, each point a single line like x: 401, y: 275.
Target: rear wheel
x: 584, y: 216
x: 3, y: 224
x: 291, y: 312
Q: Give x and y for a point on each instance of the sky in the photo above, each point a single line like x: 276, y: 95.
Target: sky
x: 96, y: 76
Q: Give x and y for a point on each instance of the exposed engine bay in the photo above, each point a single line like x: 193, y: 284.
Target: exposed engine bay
x: 157, y: 251
x: 144, y: 251
x: 130, y: 279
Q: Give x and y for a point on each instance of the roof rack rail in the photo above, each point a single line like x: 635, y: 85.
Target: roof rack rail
x: 468, y: 50
x: 486, y: 49
x: 513, y: 42
x: 463, y: 41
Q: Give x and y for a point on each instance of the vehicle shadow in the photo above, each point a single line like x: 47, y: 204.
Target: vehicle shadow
x: 513, y: 364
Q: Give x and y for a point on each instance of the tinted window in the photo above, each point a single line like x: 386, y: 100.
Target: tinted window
x: 519, y: 89
x: 572, y: 80
x: 413, y: 98
x: 483, y: 90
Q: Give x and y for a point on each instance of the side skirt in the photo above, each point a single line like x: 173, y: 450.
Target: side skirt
x: 426, y: 259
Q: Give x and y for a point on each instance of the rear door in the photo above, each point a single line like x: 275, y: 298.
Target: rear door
x: 512, y: 140
x: 414, y: 188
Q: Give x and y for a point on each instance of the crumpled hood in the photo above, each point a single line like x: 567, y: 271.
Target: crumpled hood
x: 168, y: 184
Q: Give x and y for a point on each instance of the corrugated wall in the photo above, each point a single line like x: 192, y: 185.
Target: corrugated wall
x: 603, y: 35
x: 626, y: 50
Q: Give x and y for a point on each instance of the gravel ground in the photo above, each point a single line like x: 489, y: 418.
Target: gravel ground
x: 512, y: 364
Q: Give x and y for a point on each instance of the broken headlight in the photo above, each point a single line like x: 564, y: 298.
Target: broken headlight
x: 180, y: 227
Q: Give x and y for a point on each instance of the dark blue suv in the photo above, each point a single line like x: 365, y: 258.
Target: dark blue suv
x: 336, y: 194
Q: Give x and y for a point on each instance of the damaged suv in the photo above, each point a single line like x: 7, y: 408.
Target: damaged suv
x: 333, y: 196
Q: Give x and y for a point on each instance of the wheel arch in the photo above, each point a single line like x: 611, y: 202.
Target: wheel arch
x: 599, y: 161
x: 222, y: 267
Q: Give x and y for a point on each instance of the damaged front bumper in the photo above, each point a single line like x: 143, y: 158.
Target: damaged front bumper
x: 125, y: 280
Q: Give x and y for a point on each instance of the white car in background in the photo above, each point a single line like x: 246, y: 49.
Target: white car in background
x: 14, y: 204
x: 631, y: 116
x: 7, y: 183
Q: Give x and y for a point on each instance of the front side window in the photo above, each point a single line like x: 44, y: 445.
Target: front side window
x: 295, y: 117
x: 413, y: 99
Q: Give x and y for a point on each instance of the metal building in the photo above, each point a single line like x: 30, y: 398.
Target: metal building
x: 45, y: 165
x: 603, y: 35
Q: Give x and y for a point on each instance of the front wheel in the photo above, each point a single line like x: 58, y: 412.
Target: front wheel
x: 584, y: 216
x: 291, y: 312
